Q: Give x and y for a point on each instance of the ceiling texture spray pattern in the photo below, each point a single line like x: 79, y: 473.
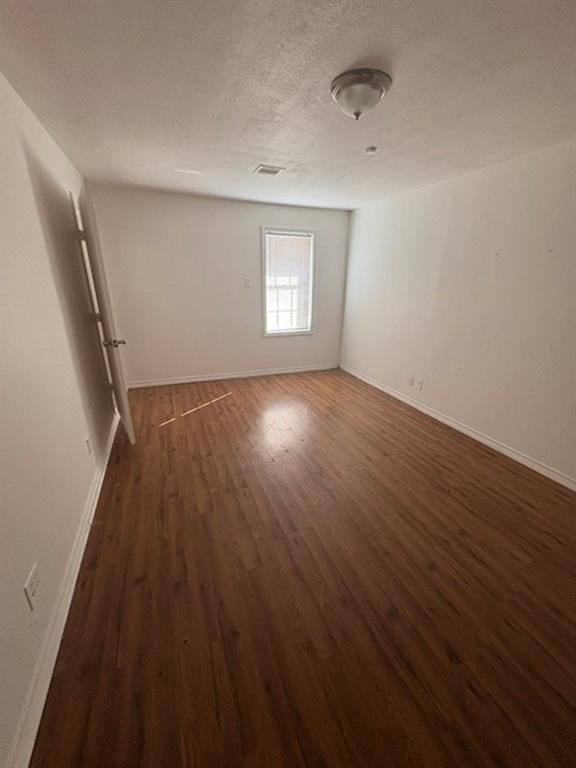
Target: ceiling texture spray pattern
x: 133, y: 89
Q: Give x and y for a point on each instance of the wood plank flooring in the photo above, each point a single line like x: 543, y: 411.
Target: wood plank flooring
x: 308, y: 572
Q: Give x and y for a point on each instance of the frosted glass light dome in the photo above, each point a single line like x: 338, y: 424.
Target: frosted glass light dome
x: 359, y: 90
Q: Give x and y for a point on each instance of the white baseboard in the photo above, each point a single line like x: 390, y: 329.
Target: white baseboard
x: 25, y: 736
x: 512, y: 453
x: 229, y: 375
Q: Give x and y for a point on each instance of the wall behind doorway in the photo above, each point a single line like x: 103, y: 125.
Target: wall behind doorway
x: 177, y: 265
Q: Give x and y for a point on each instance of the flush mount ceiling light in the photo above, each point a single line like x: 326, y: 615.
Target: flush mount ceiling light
x: 359, y: 90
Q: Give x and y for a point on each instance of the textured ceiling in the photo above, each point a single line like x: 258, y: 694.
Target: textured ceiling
x: 132, y: 89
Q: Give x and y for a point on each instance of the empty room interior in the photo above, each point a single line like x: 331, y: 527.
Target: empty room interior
x: 288, y: 384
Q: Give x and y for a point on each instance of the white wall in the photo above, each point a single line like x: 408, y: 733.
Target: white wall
x: 53, y: 396
x: 471, y: 285
x: 176, y: 265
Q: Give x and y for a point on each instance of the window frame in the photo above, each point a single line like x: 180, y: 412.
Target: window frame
x: 288, y: 231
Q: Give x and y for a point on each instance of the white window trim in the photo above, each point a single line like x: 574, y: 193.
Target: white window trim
x: 288, y: 231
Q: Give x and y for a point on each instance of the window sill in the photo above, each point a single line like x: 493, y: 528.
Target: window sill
x: 276, y: 334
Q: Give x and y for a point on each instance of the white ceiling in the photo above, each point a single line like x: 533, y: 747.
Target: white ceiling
x: 132, y: 89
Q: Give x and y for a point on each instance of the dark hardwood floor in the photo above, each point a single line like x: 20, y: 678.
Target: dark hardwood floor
x: 309, y: 573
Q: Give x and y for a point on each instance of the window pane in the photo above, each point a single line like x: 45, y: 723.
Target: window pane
x: 284, y: 300
x: 271, y: 300
x: 288, y: 279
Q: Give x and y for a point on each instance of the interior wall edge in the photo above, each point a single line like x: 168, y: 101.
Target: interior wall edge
x: 25, y: 735
x: 507, y: 450
x: 230, y: 375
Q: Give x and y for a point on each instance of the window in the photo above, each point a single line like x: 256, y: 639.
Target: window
x: 288, y: 271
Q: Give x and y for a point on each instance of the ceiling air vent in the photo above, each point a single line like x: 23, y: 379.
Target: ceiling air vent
x: 268, y: 170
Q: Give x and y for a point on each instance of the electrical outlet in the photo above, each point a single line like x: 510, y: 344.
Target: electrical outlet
x: 247, y: 282
x: 419, y: 384
x: 411, y: 380
x: 32, y: 585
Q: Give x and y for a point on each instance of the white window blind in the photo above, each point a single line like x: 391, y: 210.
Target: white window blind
x: 288, y: 266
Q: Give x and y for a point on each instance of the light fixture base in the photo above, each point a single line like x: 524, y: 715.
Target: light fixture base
x: 373, y: 82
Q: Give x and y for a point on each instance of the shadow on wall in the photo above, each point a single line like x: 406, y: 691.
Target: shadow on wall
x: 57, y: 219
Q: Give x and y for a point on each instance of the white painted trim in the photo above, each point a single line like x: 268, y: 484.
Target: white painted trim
x: 512, y: 453
x: 230, y: 375
x: 25, y: 736
x: 283, y: 231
